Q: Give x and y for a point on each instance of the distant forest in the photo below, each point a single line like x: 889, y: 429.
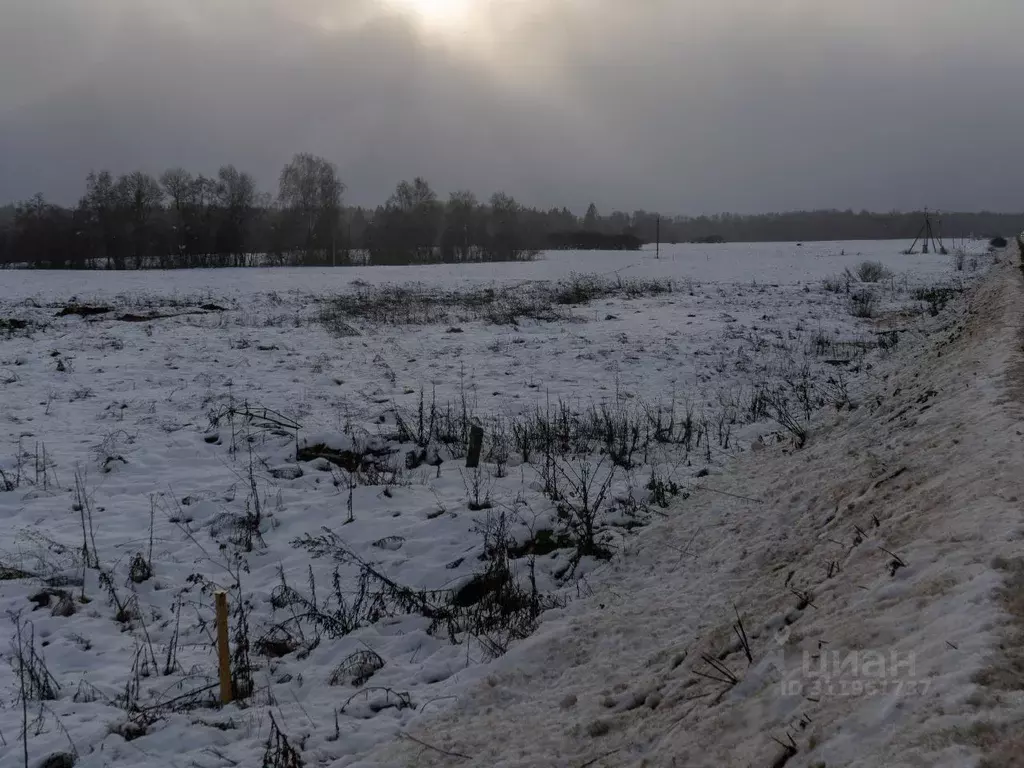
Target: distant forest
x: 181, y: 220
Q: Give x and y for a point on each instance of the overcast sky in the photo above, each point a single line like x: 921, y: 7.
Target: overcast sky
x: 683, y: 106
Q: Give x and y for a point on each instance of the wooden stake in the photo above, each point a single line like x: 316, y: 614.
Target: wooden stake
x: 223, y: 651
x: 476, y: 441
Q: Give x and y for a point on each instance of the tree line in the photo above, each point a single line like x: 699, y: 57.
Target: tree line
x: 186, y: 220
x: 183, y: 220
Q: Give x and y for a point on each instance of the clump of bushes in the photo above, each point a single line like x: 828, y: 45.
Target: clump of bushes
x: 863, y: 303
x: 836, y: 284
x: 503, y: 305
x: 872, y: 272
x: 936, y: 297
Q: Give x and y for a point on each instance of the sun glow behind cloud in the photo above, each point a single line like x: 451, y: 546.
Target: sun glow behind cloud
x: 753, y: 104
x: 496, y: 38
x: 439, y: 17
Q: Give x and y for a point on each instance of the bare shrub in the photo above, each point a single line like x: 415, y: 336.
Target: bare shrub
x: 936, y: 297
x: 357, y: 668
x: 35, y: 683
x: 478, y: 482
x: 666, y: 424
x: 662, y: 489
x: 872, y: 271
x: 83, y: 505
x: 253, y: 423
x: 836, y: 284
x: 582, y: 506
x: 499, y: 447
x: 139, y: 570
x: 334, y: 615
x: 785, y: 416
x: 279, y: 752
x: 492, y: 606
x: 863, y: 303
x: 9, y: 482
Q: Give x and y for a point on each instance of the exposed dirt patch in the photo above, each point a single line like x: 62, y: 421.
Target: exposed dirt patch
x: 348, y: 460
x: 12, y: 324
x: 83, y: 310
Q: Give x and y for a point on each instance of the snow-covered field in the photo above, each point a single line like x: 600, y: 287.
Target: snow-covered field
x: 168, y: 435
x: 728, y: 263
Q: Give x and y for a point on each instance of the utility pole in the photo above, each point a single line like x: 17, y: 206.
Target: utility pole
x: 657, y: 237
x: 927, y: 231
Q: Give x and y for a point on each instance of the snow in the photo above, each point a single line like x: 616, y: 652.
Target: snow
x: 726, y: 263
x: 192, y: 418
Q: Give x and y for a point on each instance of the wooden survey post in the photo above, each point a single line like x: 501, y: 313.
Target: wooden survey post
x: 476, y: 442
x: 223, y: 649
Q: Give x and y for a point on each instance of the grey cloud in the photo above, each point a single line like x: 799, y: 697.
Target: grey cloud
x: 681, y: 106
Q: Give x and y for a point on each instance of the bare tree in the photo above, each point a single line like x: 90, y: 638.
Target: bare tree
x: 238, y: 202
x: 41, y: 234
x: 204, y: 218
x: 310, y: 192
x: 103, y: 214
x: 461, y: 225
x: 406, y: 229
x: 142, y: 196
x: 179, y: 186
x: 177, y: 183
x: 505, y: 236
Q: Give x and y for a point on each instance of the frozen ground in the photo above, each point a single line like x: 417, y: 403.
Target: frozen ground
x: 201, y: 433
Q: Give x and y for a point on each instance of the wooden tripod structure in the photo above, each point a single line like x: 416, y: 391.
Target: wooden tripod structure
x: 929, y: 235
